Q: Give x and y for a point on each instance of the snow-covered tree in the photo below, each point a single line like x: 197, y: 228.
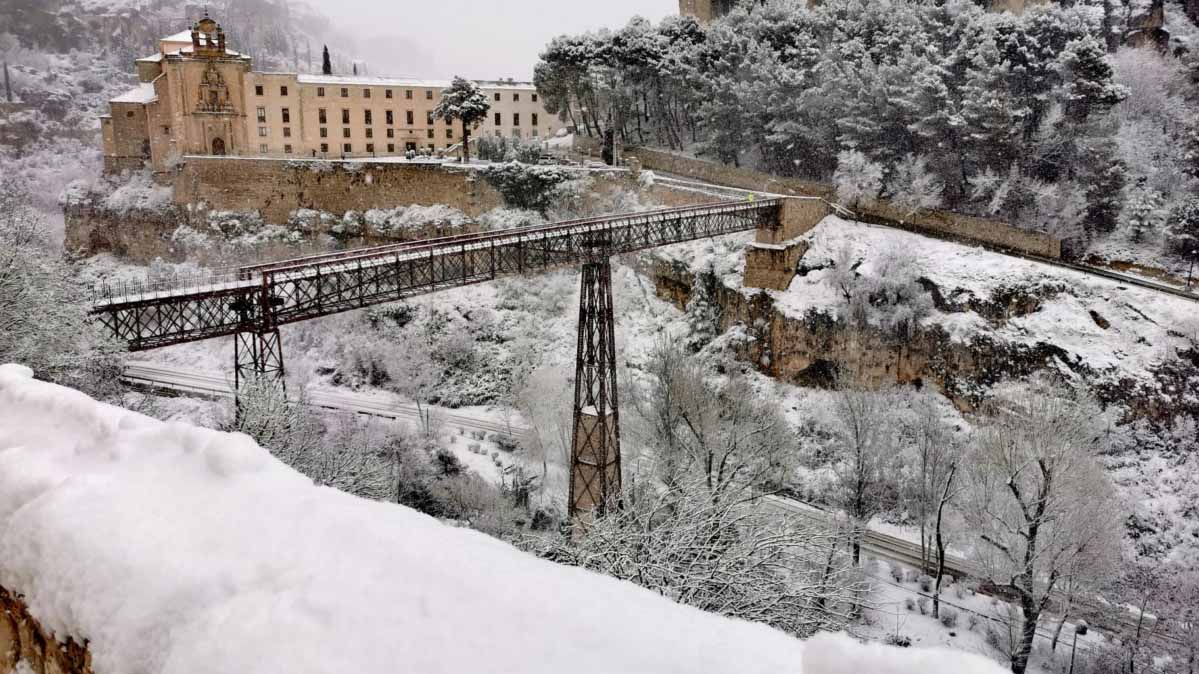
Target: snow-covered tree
x: 913, y: 187
x: 463, y: 101
x: 730, y: 557
x: 1183, y: 229
x: 1144, y: 213
x: 1040, y: 502
x: 858, y: 179
x: 44, y: 320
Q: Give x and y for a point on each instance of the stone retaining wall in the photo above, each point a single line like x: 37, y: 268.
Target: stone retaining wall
x: 938, y: 223
x: 276, y: 188
x: 25, y: 643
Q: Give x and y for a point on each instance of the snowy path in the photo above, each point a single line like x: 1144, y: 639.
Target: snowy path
x: 206, y: 384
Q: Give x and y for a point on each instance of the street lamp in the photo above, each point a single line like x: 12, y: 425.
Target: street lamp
x: 1080, y: 629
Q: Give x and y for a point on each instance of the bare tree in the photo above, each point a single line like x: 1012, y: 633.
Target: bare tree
x: 865, y: 455
x: 726, y: 435
x: 724, y: 556
x: 1040, y: 501
x: 935, y: 463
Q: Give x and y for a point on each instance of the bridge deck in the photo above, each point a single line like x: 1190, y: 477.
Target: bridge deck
x: 260, y: 297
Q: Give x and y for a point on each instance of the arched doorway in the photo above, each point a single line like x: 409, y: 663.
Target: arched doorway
x: 218, y: 146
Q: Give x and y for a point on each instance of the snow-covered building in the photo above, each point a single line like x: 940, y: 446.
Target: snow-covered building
x: 197, y: 96
x: 171, y: 549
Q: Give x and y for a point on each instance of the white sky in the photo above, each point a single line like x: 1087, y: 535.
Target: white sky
x: 473, y: 38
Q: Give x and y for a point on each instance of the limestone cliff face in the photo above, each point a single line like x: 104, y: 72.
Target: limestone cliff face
x: 811, y: 350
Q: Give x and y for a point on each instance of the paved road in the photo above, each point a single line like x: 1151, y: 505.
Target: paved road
x: 209, y: 385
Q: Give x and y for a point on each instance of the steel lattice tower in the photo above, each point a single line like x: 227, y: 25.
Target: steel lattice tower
x: 595, y: 477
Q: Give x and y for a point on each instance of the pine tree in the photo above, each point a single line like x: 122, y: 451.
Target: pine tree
x: 1089, y: 88
x: 463, y: 101
x: 326, y: 62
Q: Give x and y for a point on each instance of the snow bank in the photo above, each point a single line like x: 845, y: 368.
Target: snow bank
x: 179, y: 549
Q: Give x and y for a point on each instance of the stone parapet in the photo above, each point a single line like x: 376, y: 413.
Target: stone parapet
x: 25, y: 646
x: 772, y: 266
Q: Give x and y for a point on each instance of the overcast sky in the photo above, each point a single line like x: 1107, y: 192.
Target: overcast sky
x: 473, y: 38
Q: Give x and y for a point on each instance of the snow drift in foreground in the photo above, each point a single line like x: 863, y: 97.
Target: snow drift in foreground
x: 179, y: 549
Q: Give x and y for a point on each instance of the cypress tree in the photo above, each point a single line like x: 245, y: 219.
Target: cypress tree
x: 326, y: 63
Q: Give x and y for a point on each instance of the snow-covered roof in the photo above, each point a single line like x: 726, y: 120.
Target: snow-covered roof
x: 172, y: 548
x: 142, y: 93
x: 366, y: 81
x: 153, y: 58
x: 183, y: 36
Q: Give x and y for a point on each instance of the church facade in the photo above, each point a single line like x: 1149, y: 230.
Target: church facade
x: 196, y: 96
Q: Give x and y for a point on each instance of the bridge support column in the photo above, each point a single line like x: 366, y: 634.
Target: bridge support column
x: 771, y: 260
x: 595, y: 478
x: 257, y: 359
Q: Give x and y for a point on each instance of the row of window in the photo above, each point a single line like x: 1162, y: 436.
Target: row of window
x: 368, y: 117
x: 259, y: 90
x: 348, y: 148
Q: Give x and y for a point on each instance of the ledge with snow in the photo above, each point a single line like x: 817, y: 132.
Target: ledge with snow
x: 170, y: 548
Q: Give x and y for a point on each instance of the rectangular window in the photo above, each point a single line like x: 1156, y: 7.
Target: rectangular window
x: 534, y: 98
x: 345, y: 93
x: 516, y: 119
x: 367, y: 118
x: 322, y: 116
x: 287, y: 132
x: 370, y: 147
x: 320, y: 92
x: 282, y: 91
x: 370, y: 133
x: 324, y: 148
x: 347, y: 148
x: 499, y: 118
x: 429, y: 117
x: 257, y: 89
x: 449, y: 133
x: 391, y: 133
x: 324, y: 132
x: 262, y: 115
x: 516, y: 97
x: 345, y: 116
x: 430, y: 133
x: 516, y: 133
x: 262, y: 132
x: 286, y: 115
x: 432, y: 147
x: 410, y: 118
x: 391, y: 119
x: 366, y: 93
x: 387, y: 93
x: 428, y: 94
x: 286, y: 149
x: 408, y: 94
x: 498, y: 133
x: 497, y: 96
x: 264, y: 149
x: 536, y: 133
x: 391, y: 148
x: 166, y: 130
x: 345, y: 133
x: 534, y: 119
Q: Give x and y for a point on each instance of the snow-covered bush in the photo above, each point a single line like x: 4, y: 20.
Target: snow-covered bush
x: 887, y: 295
x: 949, y: 617
x: 1183, y: 229
x: 858, y: 179
x: 528, y: 186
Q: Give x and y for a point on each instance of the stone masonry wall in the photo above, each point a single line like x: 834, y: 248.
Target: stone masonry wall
x: 940, y: 223
x: 23, y: 642
x: 275, y: 188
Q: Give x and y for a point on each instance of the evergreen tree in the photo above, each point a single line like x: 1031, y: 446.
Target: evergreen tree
x: 326, y: 62
x: 1184, y: 230
x: 1089, y: 88
x: 463, y: 101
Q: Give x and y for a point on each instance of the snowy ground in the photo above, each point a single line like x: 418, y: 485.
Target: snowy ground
x: 176, y: 549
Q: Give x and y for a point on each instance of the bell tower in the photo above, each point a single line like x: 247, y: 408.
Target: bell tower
x: 700, y: 9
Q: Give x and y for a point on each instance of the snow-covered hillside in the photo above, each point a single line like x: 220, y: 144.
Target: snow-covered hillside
x: 177, y: 549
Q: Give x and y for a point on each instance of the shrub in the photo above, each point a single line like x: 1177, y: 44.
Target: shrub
x: 1184, y: 229
x: 526, y: 186
x: 447, y: 463
x: 972, y: 621
x: 926, y: 582
x: 909, y: 604
x: 949, y: 616
x: 901, y: 640
x: 923, y: 603
x: 474, y: 448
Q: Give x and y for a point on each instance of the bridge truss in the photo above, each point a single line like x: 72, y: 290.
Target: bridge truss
x: 253, y: 302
